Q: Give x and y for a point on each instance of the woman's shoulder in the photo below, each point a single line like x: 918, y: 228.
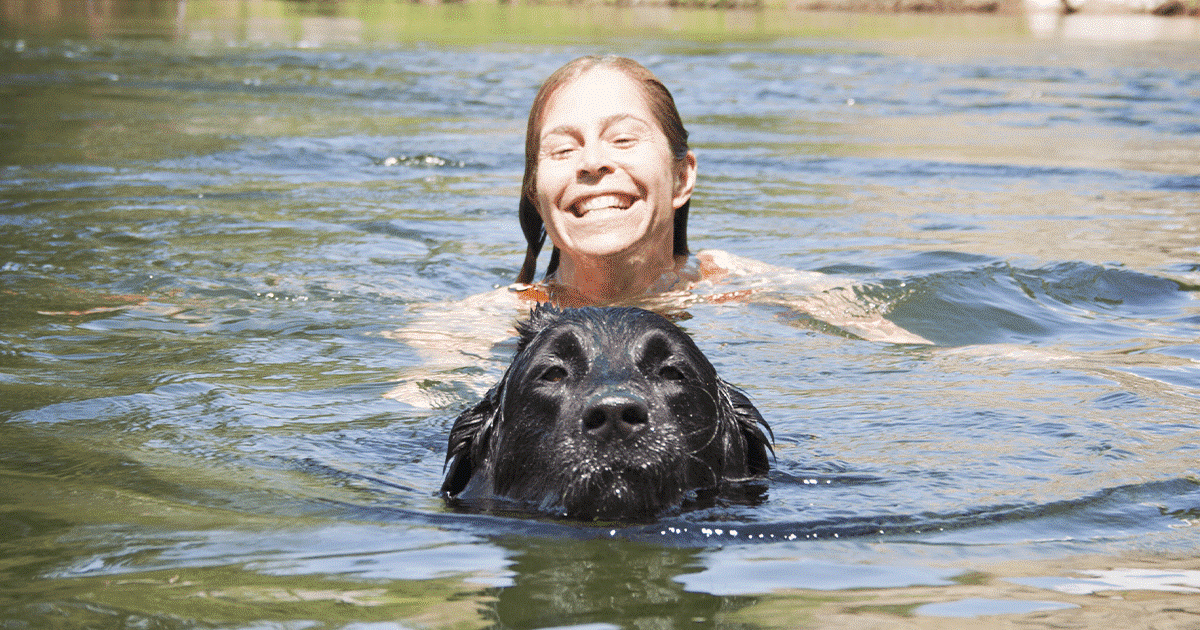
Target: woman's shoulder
x: 716, y: 264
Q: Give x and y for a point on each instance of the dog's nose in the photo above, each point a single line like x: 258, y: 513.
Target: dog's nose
x: 615, y: 417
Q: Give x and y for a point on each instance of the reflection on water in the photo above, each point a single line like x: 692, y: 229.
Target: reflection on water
x: 213, y: 259
x: 582, y: 584
x: 983, y: 607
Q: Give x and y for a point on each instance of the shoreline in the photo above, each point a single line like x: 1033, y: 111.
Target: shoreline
x: 470, y: 22
x: 1162, y: 8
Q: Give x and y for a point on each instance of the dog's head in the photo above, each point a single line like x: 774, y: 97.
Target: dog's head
x: 609, y: 413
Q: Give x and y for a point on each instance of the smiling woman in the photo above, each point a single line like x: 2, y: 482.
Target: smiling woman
x: 609, y: 179
x: 605, y: 181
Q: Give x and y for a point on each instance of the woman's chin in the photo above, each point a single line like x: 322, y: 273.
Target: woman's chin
x: 610, y: 239
x: 594, y: 252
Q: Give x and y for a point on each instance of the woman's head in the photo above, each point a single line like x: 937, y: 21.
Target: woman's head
x: 633, y: 88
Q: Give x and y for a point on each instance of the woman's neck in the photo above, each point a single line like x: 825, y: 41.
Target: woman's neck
x: 613, y: 279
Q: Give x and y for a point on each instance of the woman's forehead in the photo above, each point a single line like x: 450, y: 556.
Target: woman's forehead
x: 596, y: 95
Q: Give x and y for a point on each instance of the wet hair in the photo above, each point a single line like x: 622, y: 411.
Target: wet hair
x: 662, y: 106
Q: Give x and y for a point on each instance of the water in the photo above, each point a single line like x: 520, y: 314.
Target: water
x: 209, y: 239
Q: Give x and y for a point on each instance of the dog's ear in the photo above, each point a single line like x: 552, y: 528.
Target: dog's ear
x: 540, y: 317
x: 468, y: 441
x: 750, y: 424
x: 472, y: 430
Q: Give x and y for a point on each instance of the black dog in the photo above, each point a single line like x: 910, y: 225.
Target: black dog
x: 605, y: 413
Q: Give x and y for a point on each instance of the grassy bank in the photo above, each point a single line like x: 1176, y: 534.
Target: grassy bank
x: 477, y: 22
x: 352, y: 22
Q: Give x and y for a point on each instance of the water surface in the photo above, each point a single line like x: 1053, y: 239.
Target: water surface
x: 208, y: 241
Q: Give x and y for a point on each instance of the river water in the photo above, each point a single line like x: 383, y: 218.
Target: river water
x: 212, y: 230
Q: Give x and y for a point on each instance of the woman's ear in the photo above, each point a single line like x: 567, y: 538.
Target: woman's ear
x: 685, y: 180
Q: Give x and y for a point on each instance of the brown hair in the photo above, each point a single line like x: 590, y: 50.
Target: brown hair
x: 661, y: 104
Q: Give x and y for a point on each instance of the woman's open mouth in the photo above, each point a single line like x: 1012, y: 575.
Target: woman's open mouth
x: 601, y: 202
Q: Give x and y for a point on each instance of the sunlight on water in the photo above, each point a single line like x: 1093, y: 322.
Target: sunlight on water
x: 242, y: 255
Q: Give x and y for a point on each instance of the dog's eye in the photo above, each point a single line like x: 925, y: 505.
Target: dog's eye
x: 554, y: 374
x: 670, y: 373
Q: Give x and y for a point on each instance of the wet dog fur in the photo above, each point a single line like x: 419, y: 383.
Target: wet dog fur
x: 605, y: 413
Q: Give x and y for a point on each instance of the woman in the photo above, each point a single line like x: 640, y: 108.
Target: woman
x: 609, y: 179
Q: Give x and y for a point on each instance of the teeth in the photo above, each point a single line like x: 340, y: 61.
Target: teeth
x: 603, y: 201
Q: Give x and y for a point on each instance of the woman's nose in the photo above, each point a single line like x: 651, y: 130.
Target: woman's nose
x: 594, y: 163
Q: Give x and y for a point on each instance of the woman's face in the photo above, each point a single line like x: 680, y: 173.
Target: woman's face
x: 606, y: 181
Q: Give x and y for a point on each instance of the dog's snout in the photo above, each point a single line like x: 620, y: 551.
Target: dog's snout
x: 615, y: 416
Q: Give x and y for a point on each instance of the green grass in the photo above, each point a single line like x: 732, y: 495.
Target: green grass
x: 487, y: 22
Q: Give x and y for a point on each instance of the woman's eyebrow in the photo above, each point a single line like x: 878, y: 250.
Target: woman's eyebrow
x: 563, y: 130
x: 616, y: 118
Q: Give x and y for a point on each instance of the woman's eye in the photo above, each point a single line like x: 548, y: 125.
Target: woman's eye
x: 624, y: 142
x: 558, y: 148
x: 554, y: 374
x: 670, y: 373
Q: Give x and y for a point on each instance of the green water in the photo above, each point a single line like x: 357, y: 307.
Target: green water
x: 215, y: 217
